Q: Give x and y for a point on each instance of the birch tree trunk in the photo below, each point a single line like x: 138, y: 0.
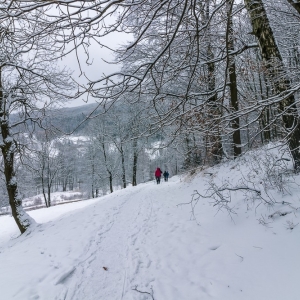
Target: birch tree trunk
x: 276, y: 72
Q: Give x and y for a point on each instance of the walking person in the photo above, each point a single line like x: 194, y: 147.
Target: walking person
x: 166, y: 175
x: 158, y: 173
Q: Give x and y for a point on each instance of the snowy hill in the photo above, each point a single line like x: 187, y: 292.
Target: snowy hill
x: 241, y: 242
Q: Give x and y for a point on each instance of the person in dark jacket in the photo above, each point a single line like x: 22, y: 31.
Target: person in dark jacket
x: 166, y: 175
x: 158, y: 173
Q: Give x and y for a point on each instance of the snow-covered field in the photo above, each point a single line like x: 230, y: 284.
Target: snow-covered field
x: 38, y: 201
x: 140, y: 243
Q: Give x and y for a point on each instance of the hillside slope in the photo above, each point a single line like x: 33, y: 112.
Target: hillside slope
x: 140, y: 243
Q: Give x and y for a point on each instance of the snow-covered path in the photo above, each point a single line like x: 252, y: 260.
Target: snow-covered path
x: 146, y: 241
x: 133, y: 237
x: 121, y: 233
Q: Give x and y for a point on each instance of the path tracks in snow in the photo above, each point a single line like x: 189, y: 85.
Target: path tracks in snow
x: 111, y: 246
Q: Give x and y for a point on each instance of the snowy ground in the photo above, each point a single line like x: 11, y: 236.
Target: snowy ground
x: 139, y: 238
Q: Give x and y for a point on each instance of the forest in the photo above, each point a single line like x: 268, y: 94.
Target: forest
x: 199, y: 82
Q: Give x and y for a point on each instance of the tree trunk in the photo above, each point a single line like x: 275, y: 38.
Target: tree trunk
x: 43, y: 184
x: 215, y: 140
x: 8, y: 148
x: 276, y: 72
x: 110, y: 177
x: 44, y: 193
x: 64, y: 184
x: 49, y: 196
x: 71, y: 184
x: 134, y: 166
x: 295, y: 4
x: 93, y: 178
x: 265, y: 114
x: 123, y: 167
x: 237, y: 150
x: 187, y: 160
x: 48, y: 181
x: 110, y: 182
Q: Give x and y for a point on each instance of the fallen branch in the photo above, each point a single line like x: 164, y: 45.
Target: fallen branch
x: 279, y: 213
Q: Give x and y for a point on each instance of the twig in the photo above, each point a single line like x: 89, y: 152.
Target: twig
x: 257, y: 247
x: 240, y: 257
x: 141, y: 292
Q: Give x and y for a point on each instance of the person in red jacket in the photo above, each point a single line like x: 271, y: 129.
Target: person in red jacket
x: 158, y: 173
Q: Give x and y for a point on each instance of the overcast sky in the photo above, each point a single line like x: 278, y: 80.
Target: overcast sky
x: 98, y: 67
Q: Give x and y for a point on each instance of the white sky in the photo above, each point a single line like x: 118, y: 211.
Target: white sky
x: 98, y: 67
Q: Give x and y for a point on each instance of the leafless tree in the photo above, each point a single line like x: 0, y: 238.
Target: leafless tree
x: 29, y: 86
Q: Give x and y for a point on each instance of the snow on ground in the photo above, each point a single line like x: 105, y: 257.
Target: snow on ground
x: 56, y: 198
x: 140, y: 241
x: 8, y: 227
